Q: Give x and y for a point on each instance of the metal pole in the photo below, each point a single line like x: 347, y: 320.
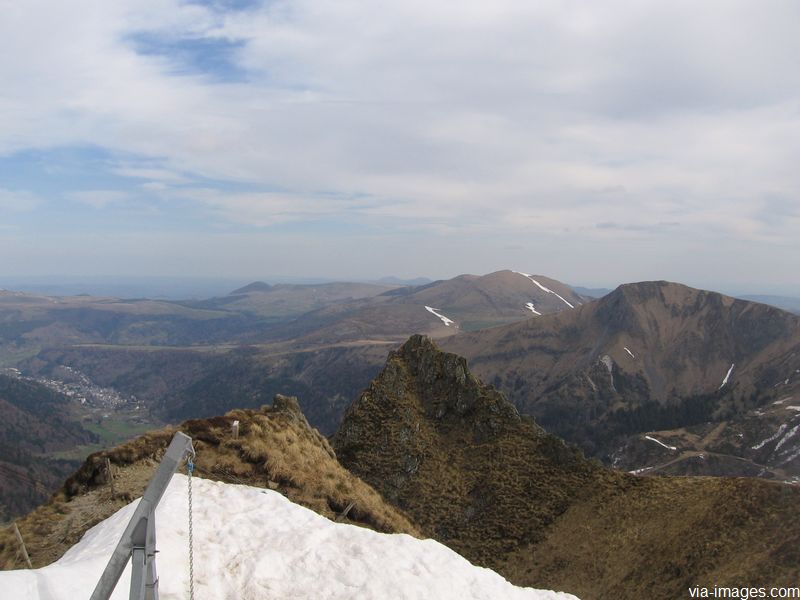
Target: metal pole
x: 138, y: 540
x: 22, y: 545
x: 110, y: 477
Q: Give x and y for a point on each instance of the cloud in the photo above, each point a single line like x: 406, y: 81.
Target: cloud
x: 153, y: 173
x: 649, y: 228
x: 503, y: 118
x: 99, y: 199
x: 18, y: 201
x: 266, y: 209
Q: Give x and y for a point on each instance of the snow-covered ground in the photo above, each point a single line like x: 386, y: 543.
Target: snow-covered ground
x: 255, y: 544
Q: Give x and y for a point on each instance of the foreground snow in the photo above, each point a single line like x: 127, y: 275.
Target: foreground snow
x: 252, y: 544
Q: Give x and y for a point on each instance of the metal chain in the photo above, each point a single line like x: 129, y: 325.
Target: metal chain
x: 190, y: 468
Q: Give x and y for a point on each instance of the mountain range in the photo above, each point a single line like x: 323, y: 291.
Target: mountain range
x: 653, y: 377
x: 430, y: 450
x: 649, y: 356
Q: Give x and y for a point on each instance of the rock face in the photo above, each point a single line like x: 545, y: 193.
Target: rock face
x: 465, y: 466
x: 439, y: 443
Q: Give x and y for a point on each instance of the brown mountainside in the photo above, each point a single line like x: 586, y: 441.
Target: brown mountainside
x: 498, y: 297
x: 34, y: 421
x: 285, y: 300
x: 459, y: 459
x: 649, y: 356
x: 464, y: 303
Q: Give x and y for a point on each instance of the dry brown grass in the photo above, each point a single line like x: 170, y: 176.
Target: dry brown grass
x: 276, y: 448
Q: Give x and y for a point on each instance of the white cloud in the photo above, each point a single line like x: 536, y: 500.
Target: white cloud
x: 99, y: 199
x: 17, y: 201
x: 510, y: 116
x: 264, y: 209
x: 164, y: 176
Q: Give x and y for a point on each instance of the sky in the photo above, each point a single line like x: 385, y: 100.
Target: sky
x: 592, y: 142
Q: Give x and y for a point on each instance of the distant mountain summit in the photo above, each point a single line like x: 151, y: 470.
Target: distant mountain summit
x: 460, y: 460
x: 500, y: 296
x: 648, y: 356
x: 256, y: 286
x: 442, y: 308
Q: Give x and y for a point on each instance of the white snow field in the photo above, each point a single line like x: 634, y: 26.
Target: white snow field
x: 254, y: 544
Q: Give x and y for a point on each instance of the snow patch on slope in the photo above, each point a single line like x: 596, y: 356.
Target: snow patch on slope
x: 628, y: 351
x: 640, y: 471
x: 543, y: 288
x: 532, y: 308
x: 762, y: 443
x: 785, y: 438
x: 444, y: 319
x: 254, y: 543
x: 660, y: 443
x: 727, y: 376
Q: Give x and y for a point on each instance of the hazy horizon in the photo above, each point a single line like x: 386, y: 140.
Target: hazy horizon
x: 184, y: 288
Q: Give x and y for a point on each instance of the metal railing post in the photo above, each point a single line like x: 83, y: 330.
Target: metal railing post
x: 139, y: 539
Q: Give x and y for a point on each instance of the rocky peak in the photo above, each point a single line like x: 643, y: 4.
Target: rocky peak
x: 444, y: 383
x: 420, y: 381
x: 428, y: 433
x: 289, y: 405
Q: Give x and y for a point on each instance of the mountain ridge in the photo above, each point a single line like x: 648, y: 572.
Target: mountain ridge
x: 460, y: 460
x: 646, y: 346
